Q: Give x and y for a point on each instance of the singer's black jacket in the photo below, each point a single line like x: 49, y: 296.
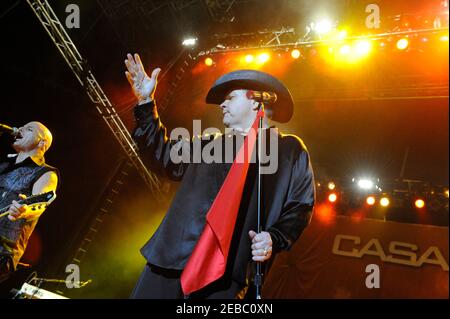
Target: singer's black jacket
x: 288, y: 198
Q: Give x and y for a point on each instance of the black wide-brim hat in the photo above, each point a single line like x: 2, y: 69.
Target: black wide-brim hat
x: 283, y: 107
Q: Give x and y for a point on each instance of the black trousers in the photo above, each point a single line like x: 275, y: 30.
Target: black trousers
x: 6, y: 267
x: 160, y: 283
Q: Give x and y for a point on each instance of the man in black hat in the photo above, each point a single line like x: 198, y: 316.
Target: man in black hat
x: 288, y: 194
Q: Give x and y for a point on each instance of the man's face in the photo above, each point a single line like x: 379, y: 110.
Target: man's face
x: 28, y: 138
x: 238, y: 110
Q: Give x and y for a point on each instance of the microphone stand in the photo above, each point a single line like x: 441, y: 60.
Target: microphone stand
x: 258, y: 275
x: 80, y: 284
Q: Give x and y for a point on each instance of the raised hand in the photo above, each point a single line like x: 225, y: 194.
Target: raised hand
x: 143, y: 86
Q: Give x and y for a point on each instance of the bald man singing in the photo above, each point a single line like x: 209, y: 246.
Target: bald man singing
x: 22, y: 175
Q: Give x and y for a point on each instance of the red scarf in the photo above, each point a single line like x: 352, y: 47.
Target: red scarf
x: 208, y: 261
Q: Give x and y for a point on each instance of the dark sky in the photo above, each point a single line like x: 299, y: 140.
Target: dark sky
x: 344, y: 137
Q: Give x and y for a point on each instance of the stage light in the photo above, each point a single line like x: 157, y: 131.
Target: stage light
x: 345, y: 49
x: 363, y: 47
x: 249, y: 58
x: 402, y: 44
x: 263, y: 58
x: 384, y: 201
x: 323, y: 26
x: 365, y: 184
x: 325, y: 212
x: 446, y: 193
x: 189, y: 42
x: 332, y: 197
x: 444, y: 38
x: 419, y: 203
x: 331, y: 185
x: 370, y: 200
x: 342, y: 35
x: 295, y: 53
x: 209, y: 61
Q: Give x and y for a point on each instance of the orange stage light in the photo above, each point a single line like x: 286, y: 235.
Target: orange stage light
x: 419, y: 203
x: 363, y: 47
x: 295, y: 53
x: 332, y: 197
x: 370, y: 200
x: 345, y: 49
x: 249, y: 58
x: 209, y: 61
x: 402, y: 44
x: 384, y: 202
x: 263, y: 58
x: 342, y: 35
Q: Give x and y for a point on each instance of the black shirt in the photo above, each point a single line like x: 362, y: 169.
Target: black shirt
x: 17, y: 179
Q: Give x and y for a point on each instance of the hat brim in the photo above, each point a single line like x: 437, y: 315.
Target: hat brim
x: 283, y: 107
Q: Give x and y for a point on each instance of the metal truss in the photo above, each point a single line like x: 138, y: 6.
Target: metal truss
x: 79, y: 66
x: 411, y: 89
x: 102, y: 210
x: 220, y: 10
x: 181, y: 72
x: 277, y: 35
x: 284, y: 43
x: 116, y: 9
x: 132, y: 20
x: 420, y: 91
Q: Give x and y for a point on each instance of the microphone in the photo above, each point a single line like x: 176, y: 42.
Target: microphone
x: 8, y: 129
x: 264, y: 97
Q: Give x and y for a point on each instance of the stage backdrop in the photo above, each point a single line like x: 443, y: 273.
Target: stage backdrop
x: 331, y: 257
